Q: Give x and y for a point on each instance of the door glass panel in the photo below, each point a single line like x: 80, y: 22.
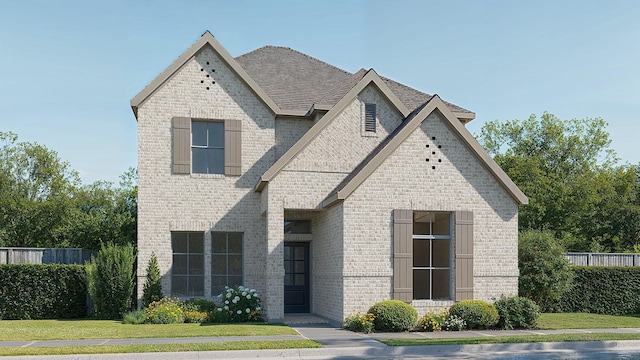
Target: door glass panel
x: 288, y: 279
x: 299, y: 279
x: 299, y: 267
x: 288, y: 267
x: 299, y: 253
x: 287, y: 252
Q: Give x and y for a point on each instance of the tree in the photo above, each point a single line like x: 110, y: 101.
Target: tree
x: 152, y: 290
x: 544, y: 269
x: 569, y: 172
x: 35, y: 194
x: 111, y: 279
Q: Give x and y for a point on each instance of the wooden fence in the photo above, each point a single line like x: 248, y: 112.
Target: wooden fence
x: 603, y: 259
x: 44, y: 256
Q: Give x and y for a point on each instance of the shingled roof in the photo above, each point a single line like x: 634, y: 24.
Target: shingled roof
x: 296, y: 81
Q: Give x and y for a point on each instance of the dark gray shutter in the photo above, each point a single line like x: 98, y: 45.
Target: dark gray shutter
x: 403, y: 255
x: 370, y: 117
x: 181, y: 145
x: 233, y: 147
x: 464, y: 255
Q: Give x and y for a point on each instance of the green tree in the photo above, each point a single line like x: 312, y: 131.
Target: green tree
x: 569, y: 172
x: 35, y: 192
x: 544, y: 269
x: 152, y: 290
x: 111, y: 278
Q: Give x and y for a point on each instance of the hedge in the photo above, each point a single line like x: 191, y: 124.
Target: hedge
x: 50, y: 291
x: 603, y: 290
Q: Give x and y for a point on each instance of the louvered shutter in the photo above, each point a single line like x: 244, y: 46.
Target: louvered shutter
x: 181, y: 145
x: 464, y: 255
x: 370, y: 117
x: 403, y: 255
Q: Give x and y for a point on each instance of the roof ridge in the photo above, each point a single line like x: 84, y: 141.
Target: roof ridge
x: 298, y: 52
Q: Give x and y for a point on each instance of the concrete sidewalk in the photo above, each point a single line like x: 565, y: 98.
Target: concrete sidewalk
x: 342, y: 344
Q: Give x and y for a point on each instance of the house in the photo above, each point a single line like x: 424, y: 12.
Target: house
x: 325, y: 190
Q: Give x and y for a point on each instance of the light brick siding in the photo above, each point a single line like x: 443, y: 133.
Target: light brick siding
x: 201, y: 202
x: 407, y: 181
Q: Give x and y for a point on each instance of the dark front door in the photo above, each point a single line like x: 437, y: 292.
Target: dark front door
x: 296, y: 277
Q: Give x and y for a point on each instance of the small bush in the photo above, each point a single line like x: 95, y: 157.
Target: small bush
x: 111, y: 280
x: 477, y: 314
x: 219, y: 316
x: 393, y: 316
x: 165, y: 311
x: 454, y: 323
x: 135, y: 317
x: 242, y: 304
x: 517, y: 313
x: 359, y: 322
x: 152, y: 290
x: 193, y: 313
x: 433, y: 320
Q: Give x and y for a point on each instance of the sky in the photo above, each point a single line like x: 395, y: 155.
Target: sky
x: 68, y: 69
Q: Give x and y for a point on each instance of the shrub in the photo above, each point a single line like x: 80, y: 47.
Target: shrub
x: 603, y: 290
x: 111, y: 280
x: 193, y: 313
x: 152, y: 290
x: 544, y: 269
x: 219, y: 316
x: 517, y: 313
x: 242, y: 304
x: 393, y: 316
x: 454, y: 323
x: 359, y: 322
x: 165, y: 311
x: 477, y: 314
x: 37, y: 291
x: 135, y: 317
x: 433, y: 320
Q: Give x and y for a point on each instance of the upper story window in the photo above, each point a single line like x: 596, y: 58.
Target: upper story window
x: 297, y: 226
x: 207, y: 147
x: 370, y: 118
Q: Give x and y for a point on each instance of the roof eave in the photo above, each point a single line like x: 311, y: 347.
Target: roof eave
x: 464, y: 117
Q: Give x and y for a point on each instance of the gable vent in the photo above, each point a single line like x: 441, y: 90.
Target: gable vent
x: 370, y: 117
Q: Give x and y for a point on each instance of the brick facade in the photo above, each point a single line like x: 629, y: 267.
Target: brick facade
x: 351, y: 243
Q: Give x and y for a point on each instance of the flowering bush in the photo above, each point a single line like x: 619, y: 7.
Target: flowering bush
x: 196, y: 310
x: 359, y: 322
x: 454, y: 323
x: 165, y: 311
x: 241, y: 304
x: 433, y: 320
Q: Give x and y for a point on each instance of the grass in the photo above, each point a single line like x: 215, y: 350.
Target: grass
x: 105, y: 329
x: 145, y: 348
x: 587, y: 321
x: 512, y: 339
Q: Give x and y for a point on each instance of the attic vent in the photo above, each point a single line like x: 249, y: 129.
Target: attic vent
x: 370, y: 117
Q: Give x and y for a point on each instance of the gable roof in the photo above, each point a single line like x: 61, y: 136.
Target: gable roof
x: 371, y: 77
x: 206, y: 39
x: 397, y: 137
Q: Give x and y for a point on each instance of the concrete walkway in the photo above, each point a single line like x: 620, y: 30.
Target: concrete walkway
x: 342, y: 344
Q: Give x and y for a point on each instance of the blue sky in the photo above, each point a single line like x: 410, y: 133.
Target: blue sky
x: 69, y: 68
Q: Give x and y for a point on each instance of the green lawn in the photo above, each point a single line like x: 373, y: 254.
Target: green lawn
x: 118, y: 349
x: 105, y: 329
x: 512, y: 339
x: 587, y: 321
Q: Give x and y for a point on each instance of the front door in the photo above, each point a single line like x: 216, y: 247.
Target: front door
x: 296, y: 278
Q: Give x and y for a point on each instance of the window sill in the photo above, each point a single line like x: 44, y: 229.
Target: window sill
x: 207, y: 176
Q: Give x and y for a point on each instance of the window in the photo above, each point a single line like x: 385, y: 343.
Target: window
x: 297, y: 227
x: 207, y: 147
x: 370, y: 118
x: 187, y: 276
x: 431, y: 255
x: 226, y: 261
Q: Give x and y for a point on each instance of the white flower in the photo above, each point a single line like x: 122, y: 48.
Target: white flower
x: 236, y: 299
x: 248, y: 297
x: 239, y: 312
x: 228, y: 295
x: 244, y: 293
x: 226, y: 302
x: 219, y: 309
x: 258, y: 308
x: 226, y: 307
x: 248, y: 310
